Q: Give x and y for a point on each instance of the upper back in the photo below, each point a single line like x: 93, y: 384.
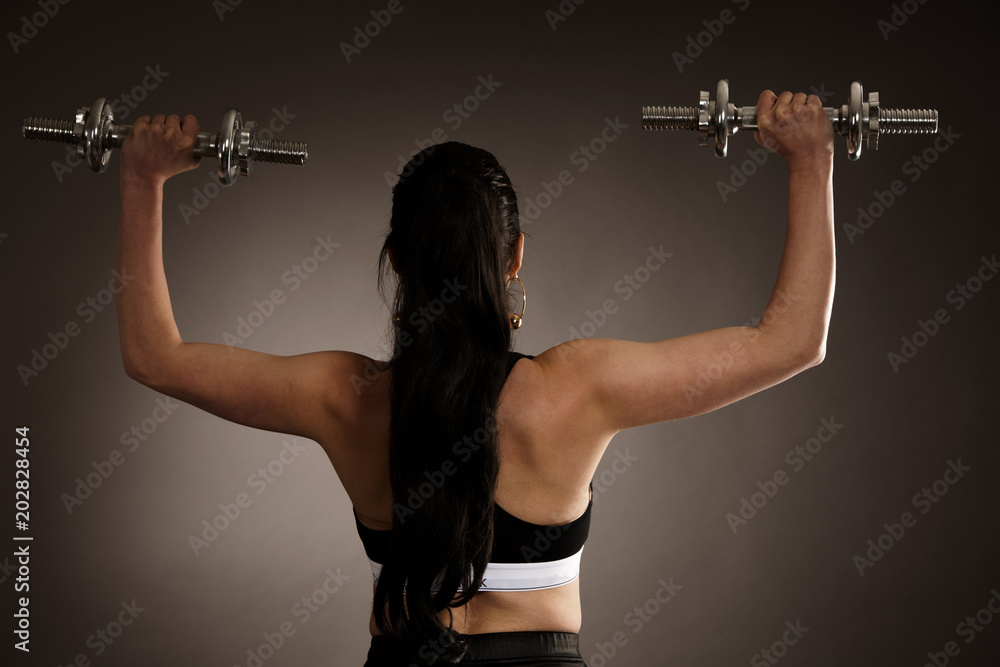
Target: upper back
x: 546, y: 456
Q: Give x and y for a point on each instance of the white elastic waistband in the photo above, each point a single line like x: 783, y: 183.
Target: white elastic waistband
x: 510, y: 577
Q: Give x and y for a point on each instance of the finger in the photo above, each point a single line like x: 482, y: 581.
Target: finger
x: 189, y: 126
x: 140, y: 126
x: 173, y: 120
x: 766, y: 101
x: 799, y: 98
x: 765, y: 104
x: 784, y: 99
x: 158, y: 119
x: 814, y: 101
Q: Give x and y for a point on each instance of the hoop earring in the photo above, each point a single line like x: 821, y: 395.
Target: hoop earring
x: 515, y: 320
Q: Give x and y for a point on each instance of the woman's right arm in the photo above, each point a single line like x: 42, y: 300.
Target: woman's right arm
x: 620, y: 384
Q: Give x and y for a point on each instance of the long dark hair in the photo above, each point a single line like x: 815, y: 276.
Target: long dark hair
x: 453, y: 231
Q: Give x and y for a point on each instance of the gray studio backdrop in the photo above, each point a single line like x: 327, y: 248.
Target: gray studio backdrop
x: 847, y: 516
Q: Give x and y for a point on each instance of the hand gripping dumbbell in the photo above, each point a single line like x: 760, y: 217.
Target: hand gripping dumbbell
x: 861, y: 121
x: 94, y: 133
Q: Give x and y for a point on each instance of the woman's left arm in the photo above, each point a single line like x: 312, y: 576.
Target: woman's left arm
x: 305, y: 395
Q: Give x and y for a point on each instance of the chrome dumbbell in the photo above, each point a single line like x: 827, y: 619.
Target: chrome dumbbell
x: 861, y: 121
x: 94, y: 133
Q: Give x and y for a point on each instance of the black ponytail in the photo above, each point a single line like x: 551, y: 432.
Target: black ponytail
x: 453, y: 231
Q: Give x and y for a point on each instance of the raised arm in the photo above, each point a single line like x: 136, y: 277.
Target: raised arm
x: 302, y: 395
x: 618, y: 384
x: 156, y: 149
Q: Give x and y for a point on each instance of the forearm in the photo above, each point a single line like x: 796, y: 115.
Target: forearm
x: 145, y: 318
x: 798, y: 313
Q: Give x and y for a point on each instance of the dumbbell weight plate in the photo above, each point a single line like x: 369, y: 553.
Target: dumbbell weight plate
x: 855, y: 122
x: 229, y: 165
x: 94, y: 130
x: 722, y: 117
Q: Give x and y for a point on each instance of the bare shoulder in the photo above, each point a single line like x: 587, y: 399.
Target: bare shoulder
x: 357, y: 391
x: 547, y: 409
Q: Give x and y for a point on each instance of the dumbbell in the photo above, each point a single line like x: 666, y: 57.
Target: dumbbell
x: 94, y: 133
x: 861, y: 121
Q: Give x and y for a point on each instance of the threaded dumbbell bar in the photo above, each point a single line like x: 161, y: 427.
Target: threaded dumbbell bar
x: 237, y: 146
x: 862, y: 122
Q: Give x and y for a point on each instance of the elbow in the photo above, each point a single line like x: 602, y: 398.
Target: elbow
x: 134, y: 371
x: 817, y: 358
x: 139, y: 370
x: 812, y: 354
x: 148, y: 366
x: 803, y: 351
x: 811, y: 348
x: 130, y: 362
x: 799, y: 352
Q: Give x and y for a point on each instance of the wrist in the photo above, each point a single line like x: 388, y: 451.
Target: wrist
x: 814, y: 165
x: 141, y: 178
x: 138, y: 181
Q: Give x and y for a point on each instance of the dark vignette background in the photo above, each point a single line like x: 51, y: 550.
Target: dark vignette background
x: 659, y: 520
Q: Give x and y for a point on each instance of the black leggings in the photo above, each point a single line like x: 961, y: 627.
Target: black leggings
x: 510, y: 649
